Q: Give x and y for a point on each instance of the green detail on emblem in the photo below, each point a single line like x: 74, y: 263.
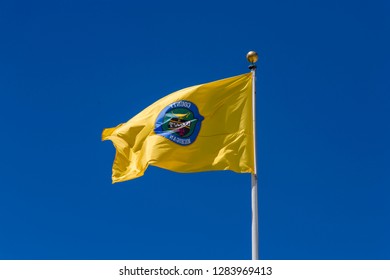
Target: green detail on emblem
x: 181, y: 121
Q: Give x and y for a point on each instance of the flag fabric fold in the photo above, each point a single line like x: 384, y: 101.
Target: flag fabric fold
x: 200, y: 128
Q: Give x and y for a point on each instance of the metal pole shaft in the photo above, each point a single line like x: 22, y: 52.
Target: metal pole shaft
x: 255, y: 211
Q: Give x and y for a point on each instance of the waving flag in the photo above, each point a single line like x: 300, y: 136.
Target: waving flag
x: 201, y: 128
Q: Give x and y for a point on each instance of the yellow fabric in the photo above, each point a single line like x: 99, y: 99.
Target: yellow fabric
x: 224, y: 142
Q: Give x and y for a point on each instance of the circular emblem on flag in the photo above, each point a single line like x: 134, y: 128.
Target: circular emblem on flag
x: 179, y: 122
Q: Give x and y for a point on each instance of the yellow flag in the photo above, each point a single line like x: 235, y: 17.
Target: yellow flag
x: 199, y: 128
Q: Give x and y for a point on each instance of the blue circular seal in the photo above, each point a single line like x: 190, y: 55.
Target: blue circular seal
x: 179, y: 122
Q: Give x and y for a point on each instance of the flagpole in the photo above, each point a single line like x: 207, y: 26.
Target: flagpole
x: 252, y: 58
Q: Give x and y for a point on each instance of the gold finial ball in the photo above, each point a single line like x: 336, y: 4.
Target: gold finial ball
x: 252, y: 57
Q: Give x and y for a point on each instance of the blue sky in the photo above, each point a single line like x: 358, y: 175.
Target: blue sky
x: 69, y: 69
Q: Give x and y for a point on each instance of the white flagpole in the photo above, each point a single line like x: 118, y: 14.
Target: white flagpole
x: 252, y: 58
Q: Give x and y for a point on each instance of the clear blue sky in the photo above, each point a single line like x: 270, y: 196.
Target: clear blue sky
x: 69, y: 69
